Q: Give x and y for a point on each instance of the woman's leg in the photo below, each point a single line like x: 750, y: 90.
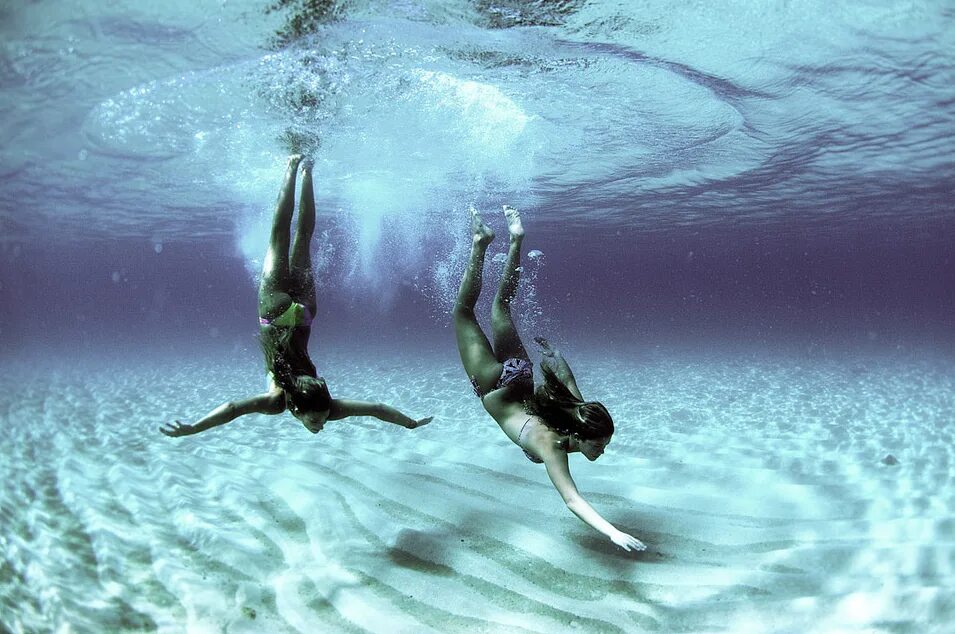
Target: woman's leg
x: 274, y: 289
x: 300, y: 265
x: 507, y: 343
x: 476, y: 353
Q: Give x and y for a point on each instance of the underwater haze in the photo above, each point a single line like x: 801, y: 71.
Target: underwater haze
x: 740, y: 219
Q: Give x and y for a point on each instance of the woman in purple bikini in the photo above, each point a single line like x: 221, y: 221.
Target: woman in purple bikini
x: 549, y: 423
x: 286, y: 309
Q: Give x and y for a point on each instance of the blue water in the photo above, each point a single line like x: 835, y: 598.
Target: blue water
x: 792, y: 157
x: 712, y: 187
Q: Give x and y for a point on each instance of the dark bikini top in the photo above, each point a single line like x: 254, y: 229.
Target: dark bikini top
x: 520, y: 441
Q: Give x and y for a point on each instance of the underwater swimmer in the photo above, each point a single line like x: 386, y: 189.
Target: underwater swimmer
x: 547, y: 423
x: 286, y: 309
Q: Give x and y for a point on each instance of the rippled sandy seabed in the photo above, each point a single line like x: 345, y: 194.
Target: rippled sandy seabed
x: 757, y: 482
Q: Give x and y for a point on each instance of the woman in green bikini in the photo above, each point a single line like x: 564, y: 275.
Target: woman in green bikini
x: 286, y: 309
x: 549, y: 423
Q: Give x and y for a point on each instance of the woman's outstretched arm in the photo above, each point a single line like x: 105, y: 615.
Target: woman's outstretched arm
x: 555, y: 461
x: 341, y: 408
x: 268, y: 403
x: 553, y: 359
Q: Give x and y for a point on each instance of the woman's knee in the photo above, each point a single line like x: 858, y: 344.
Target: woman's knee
x: 463, y: 312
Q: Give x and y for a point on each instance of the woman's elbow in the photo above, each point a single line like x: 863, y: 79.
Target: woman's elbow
x: 573, y: 502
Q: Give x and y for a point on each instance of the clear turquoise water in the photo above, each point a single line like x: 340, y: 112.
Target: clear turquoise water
x: 744, y: 219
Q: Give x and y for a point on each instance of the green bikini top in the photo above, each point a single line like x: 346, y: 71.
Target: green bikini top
x: 294, y: 316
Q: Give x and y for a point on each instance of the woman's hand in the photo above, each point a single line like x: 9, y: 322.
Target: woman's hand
x: 627, y: 542
x: 176, y: 429
x: 414, y: 424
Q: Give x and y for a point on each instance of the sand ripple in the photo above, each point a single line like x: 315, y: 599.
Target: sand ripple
x: 759, y: 487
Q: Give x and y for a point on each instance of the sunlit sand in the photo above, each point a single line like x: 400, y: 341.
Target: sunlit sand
x: 758, y: 484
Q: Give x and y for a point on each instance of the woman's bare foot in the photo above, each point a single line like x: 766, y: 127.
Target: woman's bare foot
x: 294, y: 160
x: 514, y: 226
x: 483, y: 234
x: 307, y: 164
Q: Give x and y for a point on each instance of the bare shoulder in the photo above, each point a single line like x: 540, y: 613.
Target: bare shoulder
x: 274, y: 401
x: 269, y: 403
x: 340, y: 408
x: 546, y: 441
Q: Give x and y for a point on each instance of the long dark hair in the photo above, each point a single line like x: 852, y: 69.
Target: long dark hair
x: 557, y: 407
x: 294, y: 371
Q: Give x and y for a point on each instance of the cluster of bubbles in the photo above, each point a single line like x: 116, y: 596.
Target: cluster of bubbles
x: 401, y: 148
x: 409, y: 123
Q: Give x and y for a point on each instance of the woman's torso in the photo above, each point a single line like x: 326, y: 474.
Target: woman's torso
x: 296, y: 316
x: 507, y: 407
x: 286, y: 336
